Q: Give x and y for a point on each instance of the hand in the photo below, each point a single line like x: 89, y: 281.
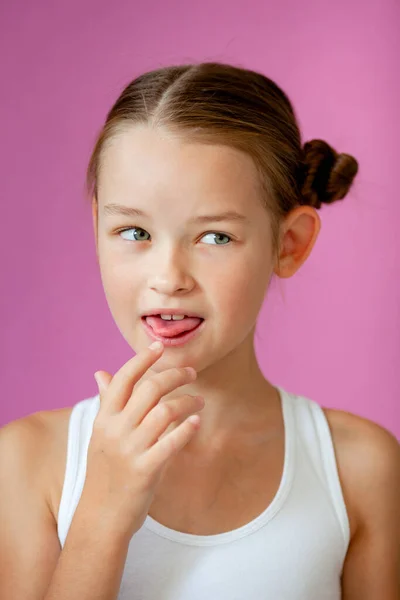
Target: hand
x: 125, y: 457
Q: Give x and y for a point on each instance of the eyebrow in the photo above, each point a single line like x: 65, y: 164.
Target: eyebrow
x: 130, y: 211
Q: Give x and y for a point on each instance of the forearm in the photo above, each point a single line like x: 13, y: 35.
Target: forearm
x: 90, y: 566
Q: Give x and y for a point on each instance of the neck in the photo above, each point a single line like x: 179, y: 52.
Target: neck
x: 237, y: 396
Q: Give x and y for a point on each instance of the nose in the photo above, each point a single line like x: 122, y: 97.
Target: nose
x: 170, y: 273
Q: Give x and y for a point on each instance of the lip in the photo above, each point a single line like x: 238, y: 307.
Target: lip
x: 179, y: 341
x: 170, y: 311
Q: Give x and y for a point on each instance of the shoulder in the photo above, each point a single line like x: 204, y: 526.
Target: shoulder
x: 368, y: 459
x: 34, y: 447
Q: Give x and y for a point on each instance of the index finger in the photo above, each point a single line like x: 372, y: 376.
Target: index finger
x: 121, y: 386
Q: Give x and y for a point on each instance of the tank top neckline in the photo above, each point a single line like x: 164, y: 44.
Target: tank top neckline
x: 267, y: 514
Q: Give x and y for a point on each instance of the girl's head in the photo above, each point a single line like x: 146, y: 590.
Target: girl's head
x: 188, y: 142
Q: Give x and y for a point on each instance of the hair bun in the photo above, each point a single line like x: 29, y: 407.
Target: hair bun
x: 327, y: 175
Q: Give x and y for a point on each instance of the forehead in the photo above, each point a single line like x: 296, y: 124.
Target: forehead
x: 153, y: 162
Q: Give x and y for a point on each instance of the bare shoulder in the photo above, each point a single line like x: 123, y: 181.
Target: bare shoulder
x: 37, y: 444
x: 368, y: 459
x: 31, y: 450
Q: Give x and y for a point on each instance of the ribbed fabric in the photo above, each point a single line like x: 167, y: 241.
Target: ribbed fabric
x: 294, y: 550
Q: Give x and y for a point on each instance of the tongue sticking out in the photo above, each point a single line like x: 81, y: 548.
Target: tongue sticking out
x: 172, y: 328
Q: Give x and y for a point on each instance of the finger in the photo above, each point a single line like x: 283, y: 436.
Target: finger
x: 156, y: 456
x: 149, y: 393
x: 103, y: 380
x: 160, y: 418
x: 124, y: 380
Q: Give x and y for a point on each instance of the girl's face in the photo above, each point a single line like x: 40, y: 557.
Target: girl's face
x: 171, y: 256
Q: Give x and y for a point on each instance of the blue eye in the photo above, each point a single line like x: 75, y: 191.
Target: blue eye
x: 140, y: 238
x: 218, y: 235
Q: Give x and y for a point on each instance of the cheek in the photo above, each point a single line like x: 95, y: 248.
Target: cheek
x: 119, y: 287
x: 239, y: 292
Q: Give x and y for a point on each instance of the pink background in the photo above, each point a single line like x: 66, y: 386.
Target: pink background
x: 333, y: 332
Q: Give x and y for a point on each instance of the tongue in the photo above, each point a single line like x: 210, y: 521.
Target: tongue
x: 172, y: 328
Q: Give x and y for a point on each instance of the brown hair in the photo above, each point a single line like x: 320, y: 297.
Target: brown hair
x: 225, y: 104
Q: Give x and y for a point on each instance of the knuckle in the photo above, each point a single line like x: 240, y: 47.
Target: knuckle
x: 165, y: 411
x: 140, y: 467
x: 109, y: 427
x: 124, y: 448
x: 101, y: 429
x: 112, y: 433
x: 125, y: 377
x: 189, y: 403
x: 152, y: 387
x: 178, y: 372
x: 108, y: 437
x: 171, y: 444
x: 99, y: 423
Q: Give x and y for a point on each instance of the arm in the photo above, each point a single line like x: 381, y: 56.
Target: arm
x: 32, y: 564
x: 372, y: 477
x: 91, y: 564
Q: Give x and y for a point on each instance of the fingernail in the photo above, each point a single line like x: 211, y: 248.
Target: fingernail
x: 191, y: 371
x: 156, y: 346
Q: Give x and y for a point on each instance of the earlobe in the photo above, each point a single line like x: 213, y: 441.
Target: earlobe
x: 299, y: 234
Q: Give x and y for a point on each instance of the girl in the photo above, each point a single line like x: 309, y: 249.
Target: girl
x: 190, y: 476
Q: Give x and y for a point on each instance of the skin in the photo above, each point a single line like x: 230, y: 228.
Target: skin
x: 174, y: 180
x: 182, y: 264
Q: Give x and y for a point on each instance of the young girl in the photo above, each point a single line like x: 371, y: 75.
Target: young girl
x: 190, y: 476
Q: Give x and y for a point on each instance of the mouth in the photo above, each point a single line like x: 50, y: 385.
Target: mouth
x: 172, y: 332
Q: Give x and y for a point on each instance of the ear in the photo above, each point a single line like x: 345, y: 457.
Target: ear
x: 95, y: 210
x: 299, y: 232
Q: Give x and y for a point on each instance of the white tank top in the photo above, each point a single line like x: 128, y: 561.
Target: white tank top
x: 294, y: 550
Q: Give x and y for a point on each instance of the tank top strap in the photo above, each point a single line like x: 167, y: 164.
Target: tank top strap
x: 305, y: 420
x: 80, y: 429
x: 316, y: 437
